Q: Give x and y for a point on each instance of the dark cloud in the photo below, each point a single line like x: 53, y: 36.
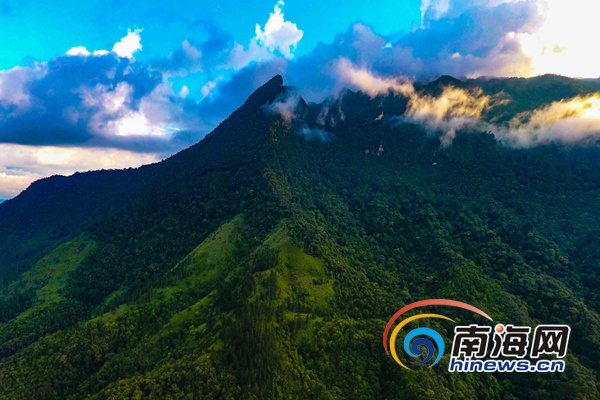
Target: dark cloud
x: 466, y: 41
x: 42, y: 127
x: 186, y: 58
x: 72, y: 91
x: 195, y: 56
x: 92, y: 101
x: 216, y: 48
x: 231, y: 94
x: 103, y: 100
x: 469, y: 43
x: 477, y: 31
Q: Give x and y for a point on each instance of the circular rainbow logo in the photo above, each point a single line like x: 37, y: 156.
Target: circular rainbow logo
x: 422, y: 338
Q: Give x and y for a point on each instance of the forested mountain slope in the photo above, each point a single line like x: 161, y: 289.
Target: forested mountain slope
x: 265, y: 261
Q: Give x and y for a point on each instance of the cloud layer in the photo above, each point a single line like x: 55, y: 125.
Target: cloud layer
x: 23, y: 165
x: 568, y: 121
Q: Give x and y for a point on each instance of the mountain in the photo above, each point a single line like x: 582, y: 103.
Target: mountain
x: 265, y: 261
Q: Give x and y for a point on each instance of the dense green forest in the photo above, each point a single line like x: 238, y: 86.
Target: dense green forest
x: 262, y: 264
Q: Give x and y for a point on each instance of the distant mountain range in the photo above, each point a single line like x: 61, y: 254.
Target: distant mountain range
x: 264, y: 261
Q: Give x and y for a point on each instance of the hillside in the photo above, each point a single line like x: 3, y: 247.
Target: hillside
x: 265, y: 261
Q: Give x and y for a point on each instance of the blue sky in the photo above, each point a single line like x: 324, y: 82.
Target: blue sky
x: 108, y: 84
x: 40, y: 30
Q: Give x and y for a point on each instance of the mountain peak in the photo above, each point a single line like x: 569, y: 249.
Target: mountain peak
x: 277, y: 79
x: 436, y: 87
x: 447, y: 80
x: 267, y: 92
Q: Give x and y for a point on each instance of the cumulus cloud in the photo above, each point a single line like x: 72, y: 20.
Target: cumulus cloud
x: 128, y: 44
x: 277, y: 37
x: 279, y: 34
x: 124, y: 48
x: 69, y: 95
x: 78, y: 51
x: 158, y: 114
x: 82, y: 51
x: 95, y: 101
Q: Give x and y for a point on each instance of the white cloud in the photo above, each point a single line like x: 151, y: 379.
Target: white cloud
x: 103, y: 97
x: 364, y: 80
x: 564, y: 42
x: 84, y: 52
x: 557, y: 40
x: 239, y: 57
x: 156, y: 115
x: 114, y: 100
x: 128, y: 44
x: 286, y: 107
x: 124, y: 48
x: 78, y: 51
x: 452, y: 110
x: 278, y: 35
x: 184, y: 92
x: 569, y: 121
